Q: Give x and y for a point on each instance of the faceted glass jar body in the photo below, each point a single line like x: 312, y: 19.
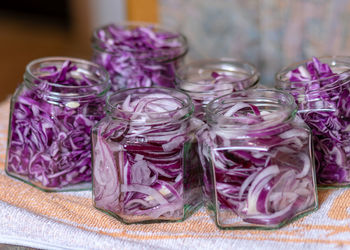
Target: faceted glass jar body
x: 209, y: 79
x: 324, y: 106
x: 139, y: 54
x: 49, y: 143
x: 143, y: 159
x: 257, y: 160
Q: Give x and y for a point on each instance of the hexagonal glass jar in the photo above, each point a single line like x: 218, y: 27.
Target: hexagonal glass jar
x: 143, y: 157
x: 51, y: 117
x: 258, y: 161
x: 139, y: 54
x: 323, y: 103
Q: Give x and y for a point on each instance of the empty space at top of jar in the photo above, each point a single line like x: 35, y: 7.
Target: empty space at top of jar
x: 52, y: 113
x: 139, y: 54
x: 320, y: 87
x: 257, y: 160
x: 208, y: 79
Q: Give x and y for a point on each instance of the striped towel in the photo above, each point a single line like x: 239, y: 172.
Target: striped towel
x: 37, y: 219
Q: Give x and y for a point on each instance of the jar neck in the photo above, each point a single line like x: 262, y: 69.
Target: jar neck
x: 81, y: 80
x: 256, y: 111
x: 156, y: 106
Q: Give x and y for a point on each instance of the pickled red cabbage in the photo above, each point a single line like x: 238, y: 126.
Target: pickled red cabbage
x: 138, y: 56
x: 50, y: 128
x: 324, y: 101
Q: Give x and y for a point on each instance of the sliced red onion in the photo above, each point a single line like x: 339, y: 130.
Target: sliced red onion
x: 263, y: 178
x: 209, y: 79
x: 152, y: 156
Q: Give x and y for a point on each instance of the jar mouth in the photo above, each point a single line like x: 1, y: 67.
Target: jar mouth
x: 196, y: 77
x: 167, y: 54
x: 120, y: 105
x: 93, y: 72
x: 340, y: 66
x: 82, y: 65
x: 275, y: 108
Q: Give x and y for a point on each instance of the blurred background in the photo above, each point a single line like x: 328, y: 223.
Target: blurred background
x: 32, y: 29
x: 268, y: 33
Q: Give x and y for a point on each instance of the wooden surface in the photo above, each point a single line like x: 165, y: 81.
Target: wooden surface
x: 22, y: 40
x: 142, y: 10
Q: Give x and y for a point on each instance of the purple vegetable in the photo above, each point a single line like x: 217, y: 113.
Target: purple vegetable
x: 323, y: 99
x: 52, y: 114
x: 143, y: 166
x: 209, y: 79
x: 256, y: 163
x: 138, y: 56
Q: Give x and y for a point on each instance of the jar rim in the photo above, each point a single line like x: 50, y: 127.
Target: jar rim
x: 280, y: 75
x: 182, y: 38
x: 288, y: 107
x: 111, y: 106
x: 30, y: 76
x: 216, y: 61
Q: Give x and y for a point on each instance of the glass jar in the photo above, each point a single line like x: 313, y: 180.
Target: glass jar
x: 258, y: 161
x: 143, y: 169
x: 208, y: 79
x: 323, y: 104
x: 139, y: 54
x: 52, y: 113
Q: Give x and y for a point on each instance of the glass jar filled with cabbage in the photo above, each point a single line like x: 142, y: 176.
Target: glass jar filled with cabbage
x: 51, y: 117
x: 258, y: 161
x: 139, y: 54
x: 321, y: 89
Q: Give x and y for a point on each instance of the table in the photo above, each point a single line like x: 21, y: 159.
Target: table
x: 30, y: 217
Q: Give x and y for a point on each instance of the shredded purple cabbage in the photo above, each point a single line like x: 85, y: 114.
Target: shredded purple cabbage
x: 50, y: 143
x: 138, y: 56
x: 143, y: 166
x: 324, y: 101
x: 258, y: 172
